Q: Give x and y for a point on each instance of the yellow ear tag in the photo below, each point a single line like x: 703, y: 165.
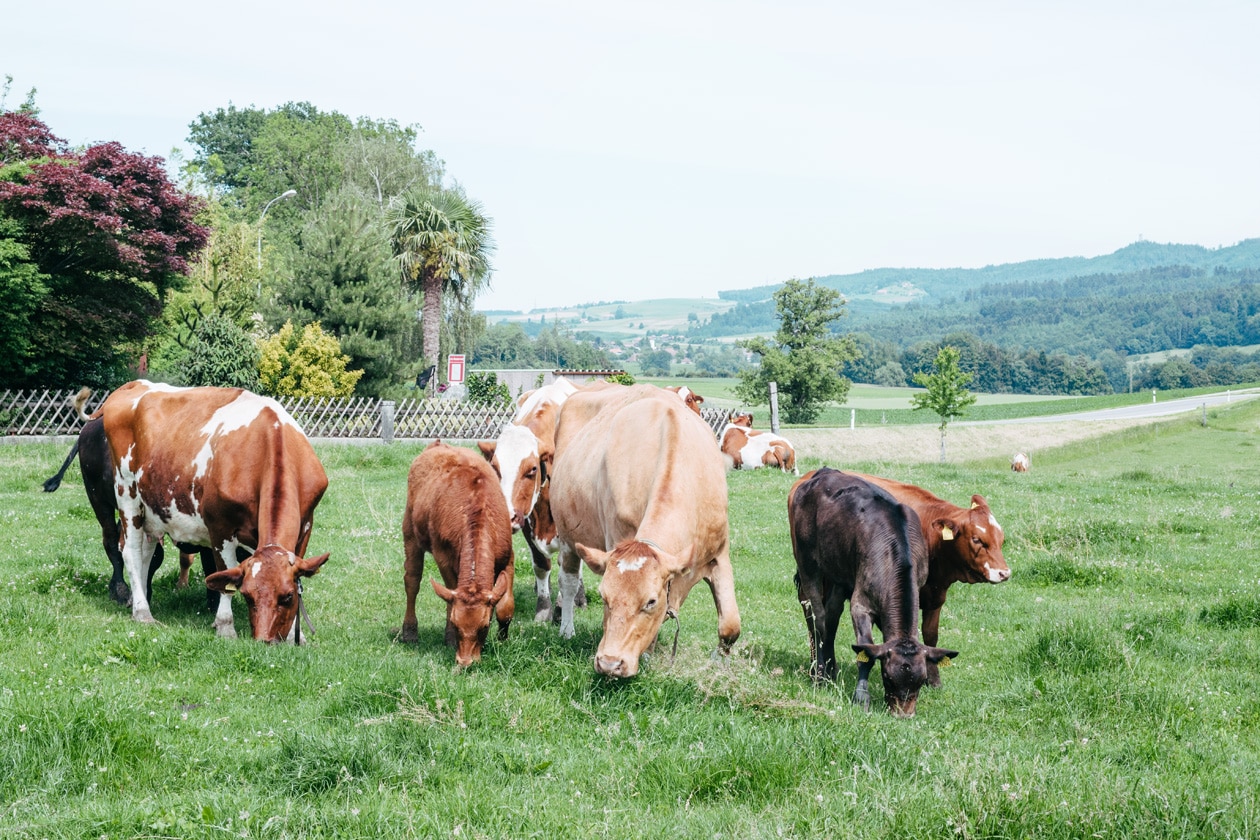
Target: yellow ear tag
x: 230, y: 588
x: 862, y: 657
x: 944, y: 663
x: 947, y: 533
x: 974, y: 505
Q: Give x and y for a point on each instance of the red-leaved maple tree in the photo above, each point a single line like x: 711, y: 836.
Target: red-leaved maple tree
x: 108, y: 234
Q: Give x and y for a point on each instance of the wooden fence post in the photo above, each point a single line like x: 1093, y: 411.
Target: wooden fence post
x: 774, y: 407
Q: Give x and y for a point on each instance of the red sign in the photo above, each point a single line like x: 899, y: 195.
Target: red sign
x: 455, y: 368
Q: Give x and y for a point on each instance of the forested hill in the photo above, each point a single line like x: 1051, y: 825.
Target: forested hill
x: 900, y: 284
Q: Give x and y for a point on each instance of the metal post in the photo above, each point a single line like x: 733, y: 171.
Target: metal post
x: 852, y: 418
x: 387, y: 421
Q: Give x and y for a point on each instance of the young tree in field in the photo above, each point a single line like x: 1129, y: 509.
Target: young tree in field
x: 946, y: 393
x: 107, y: 235
x: 442, y: 243
x: 220, y: 353
x: 804, y: 358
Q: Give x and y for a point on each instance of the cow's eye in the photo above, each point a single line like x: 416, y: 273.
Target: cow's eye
x: 532, y: 472
x: 285, y: 600
x: 650, y: 605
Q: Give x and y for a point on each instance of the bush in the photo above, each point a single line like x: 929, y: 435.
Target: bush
x: 484, y: 388
x: 220, y: 353
x: 309, y: 364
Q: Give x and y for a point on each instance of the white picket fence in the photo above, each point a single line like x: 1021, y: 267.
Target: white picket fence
x: 50, y: 413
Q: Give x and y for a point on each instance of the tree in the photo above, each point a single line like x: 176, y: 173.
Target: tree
x: 108, y: 235
x: 222, y: 354
x: 804, y: 358
x: 442, y: 243
x: 306, y: 364
x: 946, y: 392
x: 656, y: 362
x: 340, y: 274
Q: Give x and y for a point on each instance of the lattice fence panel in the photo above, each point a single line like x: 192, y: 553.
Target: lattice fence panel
x: 717, y: 418
x: 336, y: 418
x: 43, y: 412
x: 449, y: 420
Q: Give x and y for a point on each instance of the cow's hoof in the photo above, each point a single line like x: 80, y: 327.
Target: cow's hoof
x: 409, y: 633
x: 567, y: 632
x: 542, y: 613
x: 224, y: 631
x: 144, y: 617
x: 862, y: 697
x: 503, y: 630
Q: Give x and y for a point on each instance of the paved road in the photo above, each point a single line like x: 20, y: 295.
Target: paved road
x: 1158, y: 408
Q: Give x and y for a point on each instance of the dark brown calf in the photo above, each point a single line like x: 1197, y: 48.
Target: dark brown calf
x: 456, y: 512
x: 853, y: 542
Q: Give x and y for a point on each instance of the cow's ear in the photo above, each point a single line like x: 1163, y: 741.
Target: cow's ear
x: 870, y: 652
x: 226, y: 581
x: 977, y: 501
x: 945, y: 528
x: 442, y: 592
x: 501, y: 585
x: 939, y: 655
x: 593, y: 557
x: 309, y: 566
x: 487, y: 448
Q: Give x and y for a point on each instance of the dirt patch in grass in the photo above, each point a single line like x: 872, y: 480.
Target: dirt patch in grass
x: 917, y: 444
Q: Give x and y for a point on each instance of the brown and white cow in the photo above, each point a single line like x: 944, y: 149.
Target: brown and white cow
x: 746, y: 448
x: 456, y: 512
x: 964, y: 545
x: 854, y: 542
x: 221, y: 468
x: 1020, y: 462
x: 688, y: 396
x: 522, y: 458
x: 639, y: 495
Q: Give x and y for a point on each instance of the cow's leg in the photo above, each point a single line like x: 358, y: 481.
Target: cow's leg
x: 810, y: 592
x: 185, y: 563
x: 862, y: 632
x: 224, y: 622
x: 931, y: 600
x: 506, y: 608
x: 118, y: 589
x: 542, y: 573
x: 722, y: 582
x: 156, y: 563
x: 413, y: 576
x: 137, y: 548
x: 570, y: 579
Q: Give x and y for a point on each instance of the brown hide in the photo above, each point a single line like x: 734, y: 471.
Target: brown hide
x: 456, y: 512
x: 852, y: 541
x: 221, y: 468
x: 639, y: 494
x: 688, y: 396
x: 964, y: 545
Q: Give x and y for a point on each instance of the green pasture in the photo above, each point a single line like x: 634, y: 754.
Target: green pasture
x: 1108, y: 690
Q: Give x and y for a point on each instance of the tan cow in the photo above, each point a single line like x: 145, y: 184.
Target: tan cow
x: 964, y: 545
x: 221, y: 468
x: 746, y: 448
x: 522, y: 458
x: 639, y: 495
x: 456, y: 513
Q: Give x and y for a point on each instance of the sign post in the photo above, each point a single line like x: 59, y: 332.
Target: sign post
x: 455, y: 368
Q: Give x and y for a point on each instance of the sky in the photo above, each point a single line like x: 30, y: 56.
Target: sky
x: 628, y: 151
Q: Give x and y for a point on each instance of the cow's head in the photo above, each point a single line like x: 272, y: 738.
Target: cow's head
x: 468, y: 614
x: 522, y: 463
x: 903, y: 669
x: 977, y: 540
x: 635, y: 592
x: 745, y: 420
x: 688, y: 396
x: 268, y: 581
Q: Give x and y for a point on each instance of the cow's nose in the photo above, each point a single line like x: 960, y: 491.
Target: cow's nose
x: 610, y: 666
x: 999, y: 575
x: 518, y: 519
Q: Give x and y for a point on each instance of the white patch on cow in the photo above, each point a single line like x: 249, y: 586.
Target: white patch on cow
x: 982, y: 529
x: 256, y: 568
x: 153, y: 387
x: 237, y: 414
x: 993, y: 575
x: 515, y: 444
x: 631, y: 565
x: 994, y: 522
x: 557, y: 392
x: 755, y: 450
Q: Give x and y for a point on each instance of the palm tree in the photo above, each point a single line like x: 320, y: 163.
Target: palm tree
x: 442, y: 243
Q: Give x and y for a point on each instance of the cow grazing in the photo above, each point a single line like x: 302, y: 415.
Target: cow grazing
x: 639, y: 495
x: 97, y: 469
x: 688, y: 396
x: 456, y: 512
x: 1020, y: 462
x: 746, y: 448
x: 853, y: 542
x: 221, y: 468
x: 522, y: 458
x: 964, y: 545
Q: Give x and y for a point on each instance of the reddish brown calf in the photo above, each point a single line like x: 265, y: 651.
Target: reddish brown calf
x: 457, y: 513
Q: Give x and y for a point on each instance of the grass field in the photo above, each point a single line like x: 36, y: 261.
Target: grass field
x: 1108, y: 690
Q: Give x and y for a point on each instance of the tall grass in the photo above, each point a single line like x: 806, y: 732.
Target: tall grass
x: 1107, y: 690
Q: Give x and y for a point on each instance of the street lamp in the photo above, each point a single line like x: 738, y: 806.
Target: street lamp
x: 285, y: 194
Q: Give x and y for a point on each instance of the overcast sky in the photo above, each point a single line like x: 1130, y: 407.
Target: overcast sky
x: 672, y: 149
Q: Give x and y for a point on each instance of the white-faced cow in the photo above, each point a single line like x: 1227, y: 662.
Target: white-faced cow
x: 522, y: 458
x: 746, y: 448
x: 456, y: 513
x: 964, y: 545
x: 221, y: 468
x: 1020, y: 462
x: 854, y: 542
x: 639, y: 494
x: 688, y: 396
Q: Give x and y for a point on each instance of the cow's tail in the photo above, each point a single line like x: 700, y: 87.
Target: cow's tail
x: 79, y: 401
